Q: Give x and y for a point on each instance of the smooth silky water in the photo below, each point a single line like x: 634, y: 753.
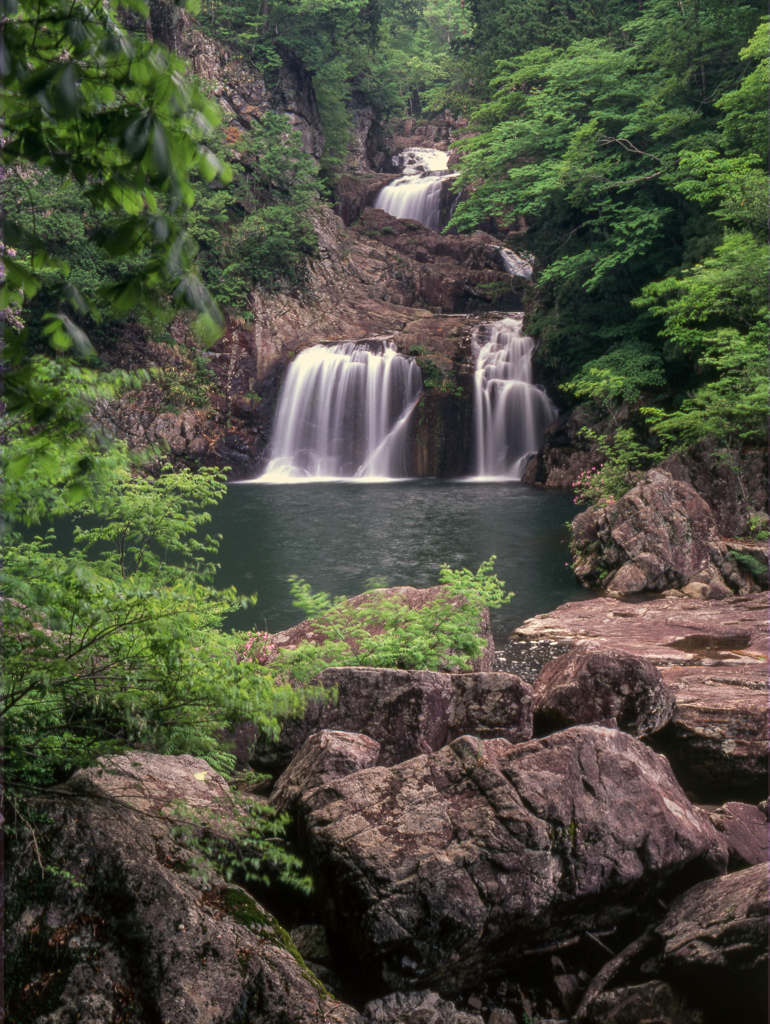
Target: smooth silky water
x: 339, y: 536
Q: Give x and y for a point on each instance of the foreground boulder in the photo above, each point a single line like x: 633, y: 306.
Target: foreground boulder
x: 744, y: 827
x: 324, y: 757
x: 407, y: 713
x: 717, y: 737
x: 452, y: 865
x: 660, y: 535
x: 124, y: 928
x: 715, y: 938
x: 591, y: 683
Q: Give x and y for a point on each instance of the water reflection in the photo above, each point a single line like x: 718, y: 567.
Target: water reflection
x: 338, y: 537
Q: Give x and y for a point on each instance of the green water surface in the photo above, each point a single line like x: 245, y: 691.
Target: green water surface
x: 340, y: 535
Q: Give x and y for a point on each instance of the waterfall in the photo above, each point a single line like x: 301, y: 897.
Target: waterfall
x: 517, y: 266
x: 342, y: 412
x: 511, y: 413
x: 418, y: 194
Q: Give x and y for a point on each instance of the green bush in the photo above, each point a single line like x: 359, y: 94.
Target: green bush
x: 384, y: 632
x: 116, y: 642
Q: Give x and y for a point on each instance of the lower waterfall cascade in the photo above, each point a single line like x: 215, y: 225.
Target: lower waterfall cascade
x: 418, y: 194
x: 343, y: 412
x: 511, y: 413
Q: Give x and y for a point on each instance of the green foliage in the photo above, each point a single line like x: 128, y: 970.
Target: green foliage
x: 116, y: 642
x: 507, y: 28
x: 716, y: 311
x: 638, y: 161
x: 621, y: 375
x: 189, y: 386
x: 244, y: 841
x: 436, y: 380
x: 258, y: 231
x: 758, y: 522
x: 113, y: 113
x: 54, y: 453
x: 384, y: 632
x: 732, y: 407
x: 624, y: 458
x: 103, y: 128
x: 751, y: 565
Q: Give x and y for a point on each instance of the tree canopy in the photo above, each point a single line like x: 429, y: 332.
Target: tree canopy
x: 639, y: 163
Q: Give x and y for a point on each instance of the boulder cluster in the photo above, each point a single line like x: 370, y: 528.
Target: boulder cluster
x: 483, y: 851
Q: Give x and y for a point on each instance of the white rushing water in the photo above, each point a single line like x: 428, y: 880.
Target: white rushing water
x: 418, y: 194
x: 518, y: 266
x: 342, y: 412
x: 511, y: 413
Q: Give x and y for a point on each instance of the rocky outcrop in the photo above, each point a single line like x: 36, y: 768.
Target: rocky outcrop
x: 414, y: 132
x: 712, y: 655
x: 660, y: 535
x: 327, y: 755
x: 357, y: 191
x: 733, y: 484
x: 717, y: 737
x: 238, y: 86
x: 450, y: 866
x: 450, y: 272
x: 592, y: 683
x: 566, y: 452
x: 364, y: 148
x: 121, y: 928
x: 669, y: 631
x: 407, y: 713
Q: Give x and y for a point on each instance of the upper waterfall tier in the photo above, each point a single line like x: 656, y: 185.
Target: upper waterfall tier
x: 511, y: 413
x: 419, y: 194
x: 342, y: 412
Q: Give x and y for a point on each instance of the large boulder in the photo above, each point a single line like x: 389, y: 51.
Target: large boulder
x: 123, y: 927
x: 407, y: 713
x: 591, y: 683
x: 715, y: 941
x: 660, y: 535
x: 717, y: 737
x: 744, y: 827
x: 450, y: 866
x: 327, y: 755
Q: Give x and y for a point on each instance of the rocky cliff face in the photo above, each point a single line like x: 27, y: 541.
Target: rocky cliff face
x: 237, y: 85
